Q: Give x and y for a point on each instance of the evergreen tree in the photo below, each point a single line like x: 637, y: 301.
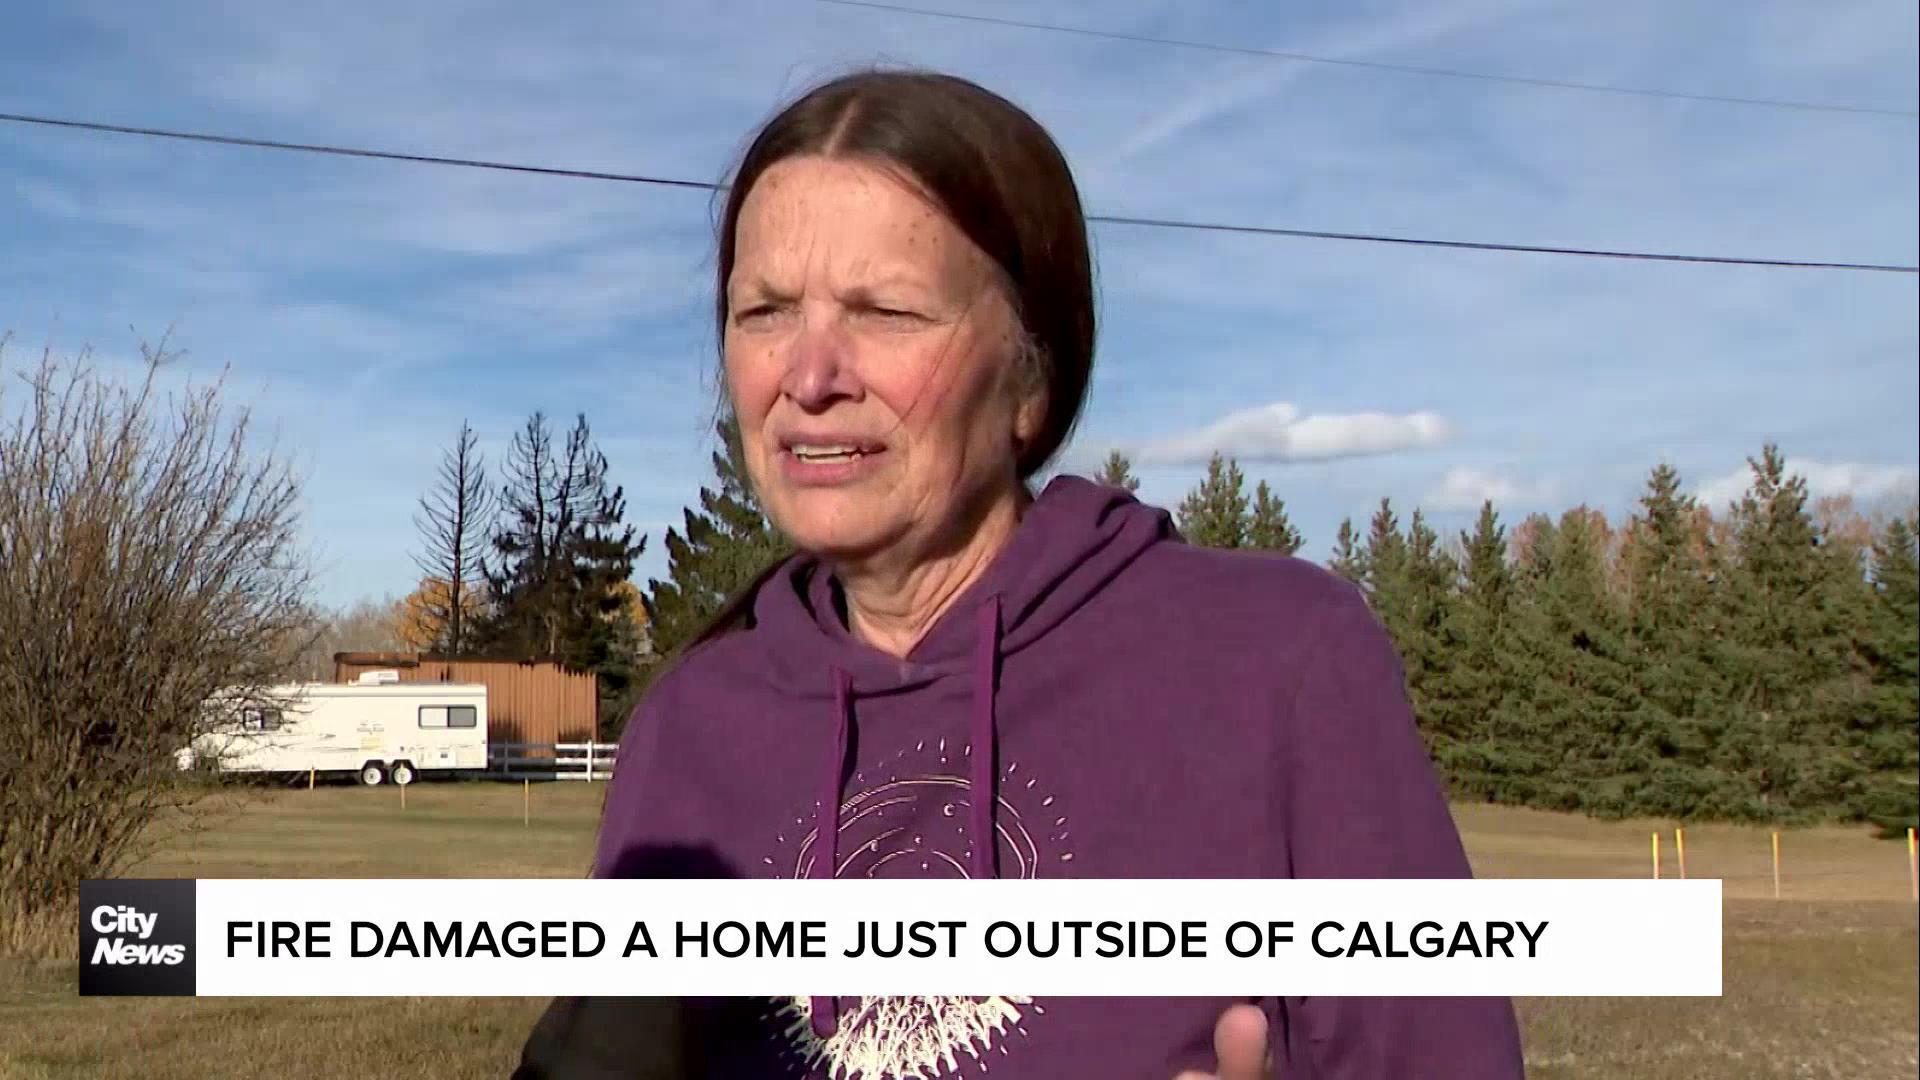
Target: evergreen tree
x: 1432, y: 574
x: 1214, y: 514
x: 559, y: 558
x: 1390, y: 593
x: 1385, y: 562
x: 724, y: 545
x: 1269, y: 529
x: 1349, y: 558
x: 1407, y: 581
x: 1565, y: 724
x: 603, y: 637
x: 1889, y: 734
x: 1472, y: 685
x: 1680, y: 700
x: 1416, y: 616
x: 1523, y: 753
x: 1118, y: 472
x: 1785, y: 644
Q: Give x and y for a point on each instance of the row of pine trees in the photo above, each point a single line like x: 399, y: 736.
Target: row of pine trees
x: 1762, y: 664
x: 1757, y: 664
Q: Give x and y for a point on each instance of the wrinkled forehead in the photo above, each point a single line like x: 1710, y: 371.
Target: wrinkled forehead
x: 842, y: 222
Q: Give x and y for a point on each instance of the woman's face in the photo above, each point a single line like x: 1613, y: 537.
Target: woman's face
x: 872, y: 360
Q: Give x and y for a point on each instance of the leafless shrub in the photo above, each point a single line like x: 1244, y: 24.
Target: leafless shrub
x: 367, y: 625
x: 148, y: 560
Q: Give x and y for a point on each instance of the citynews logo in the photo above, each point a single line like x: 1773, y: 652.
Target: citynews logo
x: 136, y: 938
x: 118, y: 950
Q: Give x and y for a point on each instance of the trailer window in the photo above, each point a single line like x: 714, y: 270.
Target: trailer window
x: 260, y: 720
x: 449, y: 716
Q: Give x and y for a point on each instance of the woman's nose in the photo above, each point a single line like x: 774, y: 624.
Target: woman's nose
x: 818, y: 370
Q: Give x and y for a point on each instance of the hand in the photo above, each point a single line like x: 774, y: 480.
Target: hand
x: 1239, y: 1047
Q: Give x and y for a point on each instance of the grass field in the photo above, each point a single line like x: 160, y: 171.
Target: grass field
x: 1819, y: 984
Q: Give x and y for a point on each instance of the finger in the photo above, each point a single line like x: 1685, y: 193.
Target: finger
x: 1240, y: 1043
x: 1191, y: 1075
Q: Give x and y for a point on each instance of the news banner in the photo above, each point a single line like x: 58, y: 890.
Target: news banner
x: 642, y: 938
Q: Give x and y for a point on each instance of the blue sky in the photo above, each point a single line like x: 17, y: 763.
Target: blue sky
x: 363, y: 309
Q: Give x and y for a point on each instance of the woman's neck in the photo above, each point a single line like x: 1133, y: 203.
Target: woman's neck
x: 893, y: 607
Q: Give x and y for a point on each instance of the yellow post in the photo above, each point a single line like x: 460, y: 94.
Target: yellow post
x: 1680, y: 848
x: 403, y: 795
x: 309, y: 778
x: 1776, y: 865
x: 1656, y: 856
x: 1913, y: 867
x: 526, y: 801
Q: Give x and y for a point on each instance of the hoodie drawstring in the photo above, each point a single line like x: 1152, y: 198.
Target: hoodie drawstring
x: 982, y: 791
x: 825, y: 1010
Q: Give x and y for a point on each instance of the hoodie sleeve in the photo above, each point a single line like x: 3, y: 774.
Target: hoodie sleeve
x: 1358, y: 797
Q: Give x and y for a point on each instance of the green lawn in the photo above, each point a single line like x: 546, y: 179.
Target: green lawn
x: 1820, y: 984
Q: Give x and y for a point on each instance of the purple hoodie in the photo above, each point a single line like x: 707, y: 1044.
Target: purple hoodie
x: 1140, y: 708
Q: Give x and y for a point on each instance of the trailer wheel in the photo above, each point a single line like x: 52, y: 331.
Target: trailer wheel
x: 372, y: 774
x: 401, y: 772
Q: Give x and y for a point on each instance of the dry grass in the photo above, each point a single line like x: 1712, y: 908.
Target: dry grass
x: 1819, y: 985
x: 1842, y: 864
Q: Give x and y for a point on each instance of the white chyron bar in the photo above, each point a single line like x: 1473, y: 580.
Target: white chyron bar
x: 991, y: 939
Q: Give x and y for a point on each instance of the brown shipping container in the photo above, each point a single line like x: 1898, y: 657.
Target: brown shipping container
x: 537, y: 702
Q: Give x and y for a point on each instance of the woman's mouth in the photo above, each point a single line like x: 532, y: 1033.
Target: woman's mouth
x: 830, y: 462
x: 828, y: 453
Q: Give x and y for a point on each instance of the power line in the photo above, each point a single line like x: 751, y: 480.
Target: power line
x: 348, y: 151
x: 1405, y: 69
x: 1478, y: 245
x: 1108, y: 219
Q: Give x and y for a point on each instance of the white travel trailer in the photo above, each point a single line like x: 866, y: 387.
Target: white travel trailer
x: 377, y: 730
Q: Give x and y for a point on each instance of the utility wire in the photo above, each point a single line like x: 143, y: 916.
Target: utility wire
x: 1405, y: 69
x: 348, y: 151
x: 1109, y: 219
x: 1479, y: 245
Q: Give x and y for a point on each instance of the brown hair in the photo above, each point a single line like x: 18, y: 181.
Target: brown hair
x: 997, y: 175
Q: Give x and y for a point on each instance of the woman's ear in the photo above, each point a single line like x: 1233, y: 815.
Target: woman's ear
x: 1030, y: 388
x: 1028, y: 419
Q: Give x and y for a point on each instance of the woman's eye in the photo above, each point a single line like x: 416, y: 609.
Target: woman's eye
x: 895, y: 314
x: 758, y: 313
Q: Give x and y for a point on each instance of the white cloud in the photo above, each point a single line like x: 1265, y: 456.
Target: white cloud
x: 1861, y: 481
x: 1465, y: 488
x: 1279, y: 432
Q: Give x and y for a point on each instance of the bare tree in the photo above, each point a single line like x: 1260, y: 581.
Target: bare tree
x: 367, y: 625
x: 455, y: 520
x: 149, y: 575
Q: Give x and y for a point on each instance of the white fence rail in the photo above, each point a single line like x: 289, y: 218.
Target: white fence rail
x: 551, y: 761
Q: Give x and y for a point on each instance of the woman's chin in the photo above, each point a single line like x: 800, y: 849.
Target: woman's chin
x: 842, y: 540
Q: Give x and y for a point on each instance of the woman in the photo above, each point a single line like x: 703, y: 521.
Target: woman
x: 905, y: 304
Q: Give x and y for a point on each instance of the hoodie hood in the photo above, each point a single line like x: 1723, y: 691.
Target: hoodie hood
x: 1073, y: 539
